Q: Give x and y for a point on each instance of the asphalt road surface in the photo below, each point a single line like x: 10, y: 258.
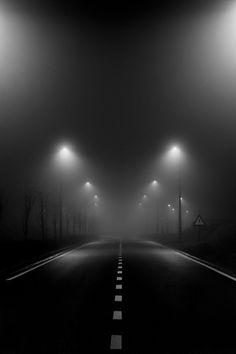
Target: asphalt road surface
x: 105, y: 297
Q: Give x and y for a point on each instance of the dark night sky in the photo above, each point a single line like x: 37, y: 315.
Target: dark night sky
x: 121, y: 82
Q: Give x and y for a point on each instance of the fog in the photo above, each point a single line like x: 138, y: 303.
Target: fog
x: 118, y: 90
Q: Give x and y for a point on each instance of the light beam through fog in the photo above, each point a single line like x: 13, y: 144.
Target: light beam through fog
x: 116, y: 127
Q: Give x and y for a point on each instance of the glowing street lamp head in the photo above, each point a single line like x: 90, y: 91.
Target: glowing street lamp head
x: 65, y: 154
x: 174, y: 155
x: 145, y: 196
x: 175, y: 150
x: 88, y: 184
x: 96, y: 197
x: 88, y: 192
x: 66, y: 159
x: 64, y: 151
x: 169, y: 205
x: 154, y: 183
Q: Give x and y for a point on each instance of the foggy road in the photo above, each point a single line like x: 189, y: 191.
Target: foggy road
x: 134, y: 297
x: 117, y: 119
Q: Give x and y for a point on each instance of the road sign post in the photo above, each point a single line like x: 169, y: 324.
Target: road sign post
x: 200, y: 224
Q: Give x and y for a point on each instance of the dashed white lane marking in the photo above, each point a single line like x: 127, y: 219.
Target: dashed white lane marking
x: 118, y: 298
x: 116, y: 341
x: 36, y: 265
x: 117, y: 315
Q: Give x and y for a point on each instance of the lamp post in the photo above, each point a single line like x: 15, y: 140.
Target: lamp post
x: 145, y: 203
x: 64, y: 160
x: 60, y: 208
x: 142, y: 217
x: 88, y: 188
x: 157, y: 206
x: 177, y: 153
x: 180, y: 200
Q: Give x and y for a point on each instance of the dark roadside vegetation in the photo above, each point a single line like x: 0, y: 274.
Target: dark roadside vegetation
x: 215, y: 243
x: 16, y: 254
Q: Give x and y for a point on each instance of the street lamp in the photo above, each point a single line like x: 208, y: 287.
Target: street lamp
x: 65, y: 157
x: 64, y: 153
x: 89, y: 189
x: 154, y: 185
x: 176, y: 152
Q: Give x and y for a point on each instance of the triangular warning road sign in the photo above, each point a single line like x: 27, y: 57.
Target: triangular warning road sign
x: 199, y: 221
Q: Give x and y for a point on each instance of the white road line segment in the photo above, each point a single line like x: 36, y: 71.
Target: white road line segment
x: 36, y: 265
x: 118, y: 298
x: 116, y: 341
x: 196, y: 260
x: 117, y: 315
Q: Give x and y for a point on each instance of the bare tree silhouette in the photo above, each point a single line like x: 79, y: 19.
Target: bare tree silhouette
x: 29, y: 201
x: 43, y: 204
